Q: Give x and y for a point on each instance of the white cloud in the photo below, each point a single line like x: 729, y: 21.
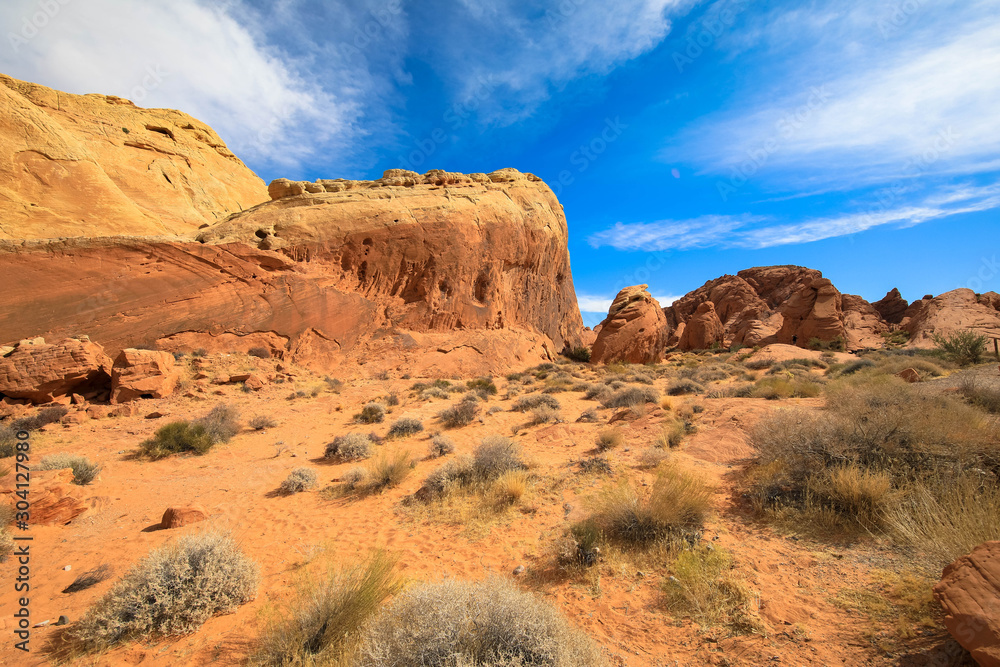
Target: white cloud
x: 527, y: 51
x: 919, y: 101
x: 210, y: 60
x: 749, y: 232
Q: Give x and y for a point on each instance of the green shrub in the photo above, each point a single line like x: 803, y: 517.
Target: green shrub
x: 373, y: 413
x: 324, y: 620
x: 483, y: 384
x: 84, y: 471
x: 963, y: 347
x: 581, y: 354
x: 405, y: 426
x: 172, y: 591
x: 300, y: 479
x: 175, y: 438
x: 705, y: 587
x: 490, y: 622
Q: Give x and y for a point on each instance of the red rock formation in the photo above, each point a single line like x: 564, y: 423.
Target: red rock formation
x: 815, y: 311
x: 946, y: 314
x: 969, y: 591
x: 991, y: 299
x: 635, y: 329
x: 40, y: 372
x: 142, y: 374
x: 703, y: 330
x: 176, y: 517
x: 891, y: 307
x: 323, y: 276
x: 863, y: 325
x: 93, y: 165
x: 55, y: 499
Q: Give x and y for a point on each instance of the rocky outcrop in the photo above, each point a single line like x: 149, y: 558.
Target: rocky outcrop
x: 863, y: 325
x: 39, y: 371
x: 815, y: 311
x: 990, y: 299
x: 176, y: 517
x: 55, y: 499
x: 949, y: 313
x: 143, y: 374
x: 703, y: 330
x: 634, y: 331
x: 969, y: 591
x: 891, y: 307
x: 321, y: 277
x: 96, y: 165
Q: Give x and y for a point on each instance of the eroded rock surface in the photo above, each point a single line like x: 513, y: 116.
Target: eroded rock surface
x: 635, y: 329
x: 949, y: 313
x: 969, y: 591
x: 40, y: 371
x: 142, y: 374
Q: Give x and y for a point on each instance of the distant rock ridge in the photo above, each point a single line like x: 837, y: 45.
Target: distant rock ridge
x: 282, y: 187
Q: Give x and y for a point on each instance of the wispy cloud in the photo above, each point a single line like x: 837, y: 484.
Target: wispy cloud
x: 888, y: 95
x: 532, y: 49
x: 752, y: 232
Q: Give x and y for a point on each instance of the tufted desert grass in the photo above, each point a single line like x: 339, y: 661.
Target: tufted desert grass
x: 300, y: 479
x: 84, y: 470
x: 322, y: 624
x: 172, y: 591
x: 473, y: 624
x: 609, y: 438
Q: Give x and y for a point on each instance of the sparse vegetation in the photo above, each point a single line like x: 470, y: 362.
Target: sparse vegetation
x: 300, y: 479
x: 609, y: 438
x: 175, y: 438
x: 260, y: 352
x: 441, y: 445
x: 372, y: 413
x: 684, y: 386
x: 460, y: 414
x: 405, y: 426
x: 544, y: 415
x: 963, y: 347
x: 429, y: 624
x: 704, y: 586
x: 983, y: 397
x: 349, y: 447
x: 261, y: 422
x: 630, y: 396
x: 221, y: 423
x: 528, y: 403
x: 89, y: 579
x: 84, y: 470
x: 387, y: 471
x: 172, y: 591
x: 323, y: 622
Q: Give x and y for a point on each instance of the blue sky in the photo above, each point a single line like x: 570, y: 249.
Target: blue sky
x: 685, y: 139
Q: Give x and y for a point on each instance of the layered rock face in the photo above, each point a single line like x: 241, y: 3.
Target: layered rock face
x: 704, y: 330
x: 39, y: 371
x: 634, y: 331
x: 320, y: 276
x: 892, y: 306
x: 96, y: 165
x: 948, y: 313
x: 969, y: 591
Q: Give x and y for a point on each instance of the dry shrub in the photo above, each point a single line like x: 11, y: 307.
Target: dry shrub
x: 372, y: 413
x: 221, y: 423
x: 324, y: 621
x: 44, y: 417
x: 261, y: 422
x: 855, y: 492
x: 433, y: 392
x: 598, y: 392
x: 684, y: 386
x: 588, y: 416
x: 349, y: 447
x: 441, y: 445
x: 544, y: 415
x: 300, y: 479
x: 983, y: 397
x: 480, y: 624
x: 528, y: 403
x: 671, y: 434
x: 460, y: 414
x: 597, y: 465
x: 629, y: 396
x: 84, y: 470
x: 387, y: 471
x: 496, y: 455
x: 676, y: 507
x: 652, y: 457
x: 260, y: 352
x: 705, y: 587
x: 173, y: 591
x: 896, y: 363
x: 510, y: 487
x: 405, y: 426
x: 609, y: 438
x: 777, y: 388
x: 89, y: 579
x: 758, y: 364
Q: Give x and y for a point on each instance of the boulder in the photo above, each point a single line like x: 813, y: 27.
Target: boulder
x: 634, y: 331
x: 143, y: 374
x: 704, y: 330
x: 175, y: 517
x: 909, y: 375
x: 96, y: 165
x: 969, y: 591
x: 892, y: 307
x: 41, y: 372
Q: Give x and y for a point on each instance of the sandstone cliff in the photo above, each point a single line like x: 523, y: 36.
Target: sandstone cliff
x: 950, y: 312
x: 324, y: 277
x: 96, y: 165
